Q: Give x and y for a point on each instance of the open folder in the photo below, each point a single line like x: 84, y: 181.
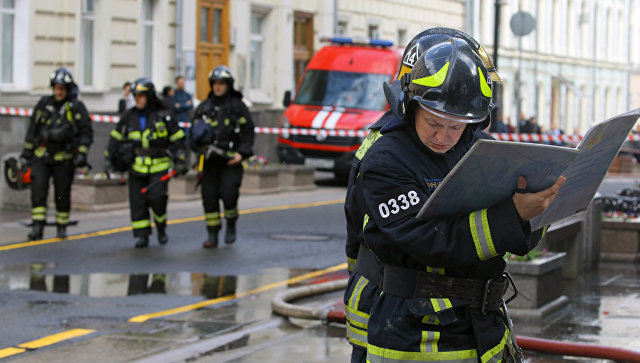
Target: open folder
x: 488, y: 173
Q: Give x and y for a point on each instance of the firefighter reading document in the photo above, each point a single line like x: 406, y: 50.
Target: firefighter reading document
x: 489, y: 172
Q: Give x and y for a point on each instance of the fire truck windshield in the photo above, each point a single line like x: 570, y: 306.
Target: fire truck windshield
x: 342, y: 89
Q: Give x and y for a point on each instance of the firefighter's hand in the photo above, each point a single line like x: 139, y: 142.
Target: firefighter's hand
x: 80, y: 160
x: 530, y: 205
x: 237, y: 159
x: 26, y: 154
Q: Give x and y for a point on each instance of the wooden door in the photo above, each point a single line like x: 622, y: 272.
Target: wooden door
x: 212, y: 49
x: 302, y: 42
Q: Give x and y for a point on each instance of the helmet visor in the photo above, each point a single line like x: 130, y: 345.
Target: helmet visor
x: 447, y: 116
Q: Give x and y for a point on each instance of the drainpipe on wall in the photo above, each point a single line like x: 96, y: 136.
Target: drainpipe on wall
x: 177, y: 68
x: 595, y: 60
x: 629, y: 60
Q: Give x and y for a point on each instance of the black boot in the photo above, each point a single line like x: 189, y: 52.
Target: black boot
x: 62, y: 231
x: 230, y: 234
x: 36, y: 231
x: 142, y: 242
x: 212, y: 238
x: 162, y: 234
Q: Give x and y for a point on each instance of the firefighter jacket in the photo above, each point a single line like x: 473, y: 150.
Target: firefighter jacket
x: 58, y: 130
x: 148, y: 146
x: 397, y: 175
x: 228, y: 127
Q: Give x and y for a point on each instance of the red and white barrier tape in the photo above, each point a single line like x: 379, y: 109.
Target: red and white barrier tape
x: 15, y: 111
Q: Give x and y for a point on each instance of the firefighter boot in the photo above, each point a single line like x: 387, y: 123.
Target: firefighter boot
x: 162, y: 233
x: 142, y: 242
x: 61, y: 231
x: 230, y: 234
x: 36, y: 231
x: 212, y: 239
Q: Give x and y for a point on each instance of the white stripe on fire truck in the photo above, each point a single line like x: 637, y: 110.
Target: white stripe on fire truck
x: 332, y: 120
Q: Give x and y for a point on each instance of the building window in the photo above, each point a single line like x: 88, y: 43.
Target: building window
x: 373, y: 31
x: 7, y: 17
x: 342, y: 27
x: 88, y: 17
x: 257, y: 42
x: 402, y: 37
x: 147, y: 41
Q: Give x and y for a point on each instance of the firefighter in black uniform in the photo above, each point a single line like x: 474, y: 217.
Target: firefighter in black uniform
x: 418, y: 314
x: 57, y: 142
x: 148, y: 142
x: 222, y: 135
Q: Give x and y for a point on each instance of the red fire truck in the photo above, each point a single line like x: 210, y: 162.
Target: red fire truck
x: 340, y: 90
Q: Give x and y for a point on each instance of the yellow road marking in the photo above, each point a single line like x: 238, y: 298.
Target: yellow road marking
x: 173, y: 221
x: 55, y: 338
x: 7, y: 352
x: 198, y: 305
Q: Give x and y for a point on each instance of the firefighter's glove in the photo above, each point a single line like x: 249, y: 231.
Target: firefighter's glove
x: 26, y: 155
x: 80, y: 160
x: 180, y: 162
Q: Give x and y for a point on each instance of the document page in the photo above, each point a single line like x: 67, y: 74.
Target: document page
x: 584, y: 175
x: 489, y: 172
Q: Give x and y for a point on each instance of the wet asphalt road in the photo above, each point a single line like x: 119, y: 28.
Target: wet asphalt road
x: 100, y: 282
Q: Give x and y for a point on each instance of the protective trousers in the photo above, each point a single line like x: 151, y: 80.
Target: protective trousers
x: 62, y: 174
x: 220, y: 181
x: 155, y: 198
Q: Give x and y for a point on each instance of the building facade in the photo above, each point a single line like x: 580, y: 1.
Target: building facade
x: 575, y: 67
x: 578, y: 66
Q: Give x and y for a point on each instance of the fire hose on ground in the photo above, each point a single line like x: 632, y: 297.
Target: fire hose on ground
x: 281, y: 304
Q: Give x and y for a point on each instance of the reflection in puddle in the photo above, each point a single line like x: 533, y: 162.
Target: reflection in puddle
x: 32, y: 277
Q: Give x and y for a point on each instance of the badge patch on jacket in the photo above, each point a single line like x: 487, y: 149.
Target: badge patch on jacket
x: 398, y: 203
x: 432, y: 184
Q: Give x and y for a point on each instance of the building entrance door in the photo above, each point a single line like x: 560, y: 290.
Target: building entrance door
x: 212, y: 47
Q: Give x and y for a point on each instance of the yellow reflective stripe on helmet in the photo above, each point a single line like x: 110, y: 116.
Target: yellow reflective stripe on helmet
x: 433, y: 80
x: 140, y: 224
x: 479, y: 226
x: 231, y: 213
x: 242, y: 120
x: 159, y: 219
x: 40, y: 151
x: 134, y: 135
x: 366, y: 144
x: 356, y: 336
x: 493, y: 355
x: 351, y: 264
x: 484, y: 86
x: 354, y: 300
x: 379, y: 355
x: 403, y: 70
x: 177, y: 136
x: 429, y: 341
x: 28, y: 145
x: 117, y: 135
x: 356, y: 317
x: 440, y: 304
x: 83, y: 149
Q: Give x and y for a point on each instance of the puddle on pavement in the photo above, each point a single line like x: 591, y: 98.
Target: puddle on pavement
x: 35, y: 277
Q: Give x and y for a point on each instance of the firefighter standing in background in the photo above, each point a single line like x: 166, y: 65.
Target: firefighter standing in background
x: 222, y: 135
x: 57, y: 142
x: 441, y: 280
x: 148, y: 142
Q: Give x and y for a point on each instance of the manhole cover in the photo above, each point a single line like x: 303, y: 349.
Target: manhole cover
x: 300, y: 237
